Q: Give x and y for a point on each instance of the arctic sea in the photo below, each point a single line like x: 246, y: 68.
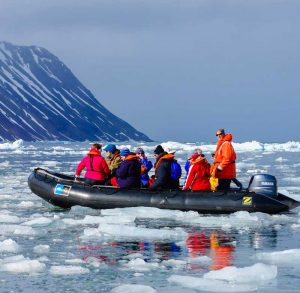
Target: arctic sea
x: 47, y: 249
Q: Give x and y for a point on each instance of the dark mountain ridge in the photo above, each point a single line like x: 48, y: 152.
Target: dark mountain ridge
x: 41, y: 99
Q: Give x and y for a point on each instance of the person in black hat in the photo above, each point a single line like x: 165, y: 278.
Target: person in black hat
x: 162, y: 167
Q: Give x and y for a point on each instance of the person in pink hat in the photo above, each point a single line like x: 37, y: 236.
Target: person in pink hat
x: 96, y: 167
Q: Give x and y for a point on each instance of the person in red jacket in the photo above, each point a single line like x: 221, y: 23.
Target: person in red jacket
x: 198, y: 174
x: 96, y: 167
x: 224, y: 160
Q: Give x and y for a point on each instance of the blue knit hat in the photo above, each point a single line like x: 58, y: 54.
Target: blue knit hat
x: 110, y: 148
x: 124, y: 152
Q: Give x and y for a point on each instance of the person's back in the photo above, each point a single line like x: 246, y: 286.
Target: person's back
x: 129, y: 171
x: 96, y: 166
x: 198, y: 175
x: 163, y: 170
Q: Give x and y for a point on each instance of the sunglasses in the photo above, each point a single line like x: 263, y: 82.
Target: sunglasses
x: 218, y: 134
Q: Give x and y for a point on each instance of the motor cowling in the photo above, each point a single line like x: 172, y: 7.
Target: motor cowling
x: 264, y: 184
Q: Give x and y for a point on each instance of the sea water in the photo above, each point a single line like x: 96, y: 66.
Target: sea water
x: 47, y: 249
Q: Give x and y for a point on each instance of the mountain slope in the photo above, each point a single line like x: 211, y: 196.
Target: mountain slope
x: 41, y: 99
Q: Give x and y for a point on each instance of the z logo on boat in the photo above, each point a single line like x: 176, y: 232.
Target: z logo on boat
x: 61, y: 189
x: 247, y: 201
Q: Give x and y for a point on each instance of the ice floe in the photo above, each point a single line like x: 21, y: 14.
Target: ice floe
x: 41, y: 249
x: 210, y: 285
x: 9, y: 245
x: 290, y: 256
x: 90, y: 220
x: 256, y: 273
x: 133, y: 288
x: 42, y: 221
x: 133, y: 232
x: 139, y: 265
x: 68, y: 270
x: 19, y: 264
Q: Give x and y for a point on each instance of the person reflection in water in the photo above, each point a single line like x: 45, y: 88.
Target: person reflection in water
x: 221, y: 253
x: 218, y: 248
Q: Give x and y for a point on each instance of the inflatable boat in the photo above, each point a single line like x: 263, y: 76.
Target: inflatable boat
x: 64, y: 191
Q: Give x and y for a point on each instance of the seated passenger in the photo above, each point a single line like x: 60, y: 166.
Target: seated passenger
x: 129, y: 172
x: 162, y: 177
x: 96, y: 166
x: 187, y: 163
x: 146, y: 166
x: 198, y: 175
x: 113, y: 159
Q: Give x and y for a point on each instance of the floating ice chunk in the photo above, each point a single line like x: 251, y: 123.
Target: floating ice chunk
x: 4, y: 218
x: 129, y: 288
x: 133, y: 255
x: 79, y: 210
x: 4, y: 164
x: 19, y: 264
x: 257, y: 273
x: 290, y: 256
x: 11, y: 146
x: 132, y: 232
x: 241, y: 220
x: 89, y: 220
x: 209, y: 285
x: 174, y: 263
x: 16, y: 230
x: 152, y: 213
x: 41, y: 249
x: 42, y: 221
x: 26, y: 204
x: 200, y: 259
x: 9, y: 245
x: 281, y: 159
x: 139, y: 265
x: 74, y: 261
x: 68, y: 270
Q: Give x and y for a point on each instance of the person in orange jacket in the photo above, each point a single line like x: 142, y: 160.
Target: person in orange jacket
x: 198, y: 174
x: 224, y: 160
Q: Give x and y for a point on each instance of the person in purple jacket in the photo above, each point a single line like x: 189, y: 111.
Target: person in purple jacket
x: 129, y: 172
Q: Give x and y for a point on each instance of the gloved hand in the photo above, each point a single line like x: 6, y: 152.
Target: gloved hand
x: 76, y: 178
x: 219, y: 169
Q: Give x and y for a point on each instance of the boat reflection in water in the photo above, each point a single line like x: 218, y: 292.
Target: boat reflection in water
x: 217, y: 247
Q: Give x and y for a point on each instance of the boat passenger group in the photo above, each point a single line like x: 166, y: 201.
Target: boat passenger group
x: 126, y: 169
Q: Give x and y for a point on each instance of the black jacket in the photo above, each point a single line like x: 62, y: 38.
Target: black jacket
x: 163, y: 173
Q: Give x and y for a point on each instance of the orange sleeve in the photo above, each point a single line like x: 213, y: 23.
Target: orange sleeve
x: 228, y: 155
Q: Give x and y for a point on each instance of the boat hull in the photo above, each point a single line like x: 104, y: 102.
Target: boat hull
x: 61, y: 190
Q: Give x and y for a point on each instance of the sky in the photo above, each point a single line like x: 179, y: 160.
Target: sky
x: 176, y: 70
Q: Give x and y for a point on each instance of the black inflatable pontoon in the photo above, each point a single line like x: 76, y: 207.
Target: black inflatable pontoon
x: 61, y: 190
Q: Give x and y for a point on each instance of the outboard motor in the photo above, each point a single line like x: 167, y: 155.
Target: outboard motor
x: 263, y: 183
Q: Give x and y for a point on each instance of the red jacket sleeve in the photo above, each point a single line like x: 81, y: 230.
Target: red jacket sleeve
x: 80, y: 167
x: 105, y: 168
x: 190, y: 177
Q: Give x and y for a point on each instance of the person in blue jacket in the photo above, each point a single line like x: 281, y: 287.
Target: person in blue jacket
x: 146, y: 166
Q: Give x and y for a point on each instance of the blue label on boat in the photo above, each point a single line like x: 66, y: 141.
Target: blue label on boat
x: 61, y: 189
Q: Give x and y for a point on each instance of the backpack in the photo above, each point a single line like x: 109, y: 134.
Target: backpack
x: 175, y: 171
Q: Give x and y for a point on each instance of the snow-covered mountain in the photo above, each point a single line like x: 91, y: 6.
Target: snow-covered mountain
x: 41, y: 99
